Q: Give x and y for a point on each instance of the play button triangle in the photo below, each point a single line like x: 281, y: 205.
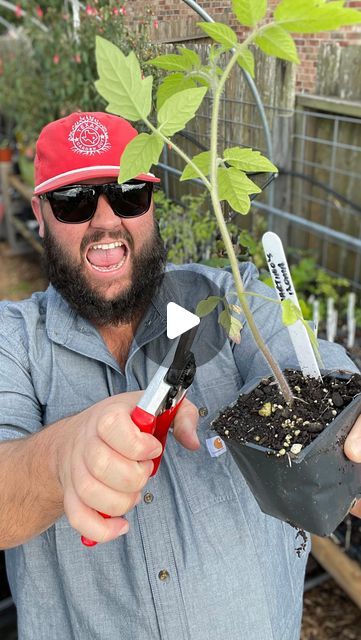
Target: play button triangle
x: 179, y: 320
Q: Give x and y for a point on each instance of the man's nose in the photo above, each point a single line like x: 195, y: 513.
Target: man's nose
x: 104, y: 216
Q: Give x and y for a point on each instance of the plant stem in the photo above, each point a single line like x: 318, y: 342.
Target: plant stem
x: 179, y: 151
x: 282, y: 382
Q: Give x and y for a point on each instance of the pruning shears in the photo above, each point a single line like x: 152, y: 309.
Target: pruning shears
x: 162, y: 398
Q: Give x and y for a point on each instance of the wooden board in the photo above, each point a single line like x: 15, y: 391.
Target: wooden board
x: 344, y: 570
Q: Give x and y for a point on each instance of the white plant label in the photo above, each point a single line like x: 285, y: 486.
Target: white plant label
x: 282, y: 280
x: 331, y: 321
x: 316, y: 315
x: 351, y: 320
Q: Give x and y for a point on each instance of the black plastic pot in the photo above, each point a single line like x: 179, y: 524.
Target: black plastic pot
x: 313, y: 490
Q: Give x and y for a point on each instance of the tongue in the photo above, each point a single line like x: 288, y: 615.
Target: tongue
x: 101, y: 258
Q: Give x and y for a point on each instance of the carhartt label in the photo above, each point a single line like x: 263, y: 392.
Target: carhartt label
x: 215, y: 446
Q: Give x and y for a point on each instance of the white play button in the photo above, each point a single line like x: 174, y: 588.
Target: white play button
x: 179, y: 320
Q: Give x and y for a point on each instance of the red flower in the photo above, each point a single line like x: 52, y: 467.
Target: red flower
x: 39, y: 11
x: 18, y: 11
x: 116, y: 11
x: 91, y: 11
x: 123, y: 11
x: 77, y: 58
x: 56, y: 59
x: 155, y: 24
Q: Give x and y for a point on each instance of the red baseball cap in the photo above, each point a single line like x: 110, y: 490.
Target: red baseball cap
x: 82, y: 146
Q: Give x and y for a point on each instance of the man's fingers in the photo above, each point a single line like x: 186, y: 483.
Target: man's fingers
x: 115, y: 470
x: 119, y: 432
x: 352, y: 446
x: 185, y: 425
x: 91, y: 524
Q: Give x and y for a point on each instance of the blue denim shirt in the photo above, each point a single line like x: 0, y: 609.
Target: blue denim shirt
x: 228, y: 571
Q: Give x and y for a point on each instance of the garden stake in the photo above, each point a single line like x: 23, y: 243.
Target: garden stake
x: 282, y: 280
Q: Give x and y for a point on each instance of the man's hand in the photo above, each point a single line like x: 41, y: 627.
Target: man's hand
x: 104, y: 462
x: 353, y: 451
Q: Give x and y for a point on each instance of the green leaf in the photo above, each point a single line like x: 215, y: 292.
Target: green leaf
x: 171, y: 62
x: 275, y: 41
x: 171, y: 85
x: 249, y: 12
x: 246, y: 240
x: 202, y: 161
x: 248, y: 160
x: 139, y: 155
x: 246, y: 61
x: 121, y: 83
x: 220, y: 33
x: 179, y: 109
x: 232, y: 325
x: 191, y: 57
x: 235, y: 187
x: 204, y: 307
x: 290, y: 312
x: 313, y: 341
x: 313, y: 16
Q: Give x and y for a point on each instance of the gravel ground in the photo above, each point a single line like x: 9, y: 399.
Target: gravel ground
x: 328, y: 612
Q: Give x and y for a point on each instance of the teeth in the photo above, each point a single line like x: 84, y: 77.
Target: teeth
x: 107, y: 247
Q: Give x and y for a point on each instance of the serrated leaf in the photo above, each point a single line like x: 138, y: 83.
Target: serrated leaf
x: 235, y: 187
x: 139, y: 155
x: 179, y: 109
x: 313, y: 16
x: 248, y: 160
x: 171, y: 62
x: 171, y: 85
x: 246, y: 61
x: 202, y: 161
x: 249, y: 12
x: 275, y: 41
x: 121, y: 83
x: 191, y: 57
x: 204, y: 307
x: 220, y: 33
x: 232, y: 325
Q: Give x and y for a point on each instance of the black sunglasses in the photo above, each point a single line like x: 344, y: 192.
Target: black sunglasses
x: 77, y: 203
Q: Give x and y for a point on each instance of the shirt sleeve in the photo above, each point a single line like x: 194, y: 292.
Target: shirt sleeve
x: 20, y: 411
x: 268, y: 318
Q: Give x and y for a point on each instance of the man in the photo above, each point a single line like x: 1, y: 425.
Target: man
x: 189, y: 554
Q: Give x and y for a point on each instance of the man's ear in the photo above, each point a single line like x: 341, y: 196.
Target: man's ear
x: 36, y: 205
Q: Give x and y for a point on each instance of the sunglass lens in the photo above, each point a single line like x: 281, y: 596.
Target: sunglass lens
x: 130, y: 200
x: 74, y: 205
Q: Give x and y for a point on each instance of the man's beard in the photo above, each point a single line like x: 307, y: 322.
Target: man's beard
x: 71, y: 282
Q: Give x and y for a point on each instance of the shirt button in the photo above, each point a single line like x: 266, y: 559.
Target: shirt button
x: 203, y: 411
x: 148, y: 497
x: 163, y: 575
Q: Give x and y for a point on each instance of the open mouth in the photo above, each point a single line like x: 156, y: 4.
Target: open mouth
x: 107, y: 257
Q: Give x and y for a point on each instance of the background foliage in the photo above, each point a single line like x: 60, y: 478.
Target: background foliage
x: 46, y: 74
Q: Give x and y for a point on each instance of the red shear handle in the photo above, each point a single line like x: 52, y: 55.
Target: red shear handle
x: 147, y: 423
x: 163, y: 422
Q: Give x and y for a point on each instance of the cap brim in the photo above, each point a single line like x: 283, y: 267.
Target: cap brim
x: 86, y: 173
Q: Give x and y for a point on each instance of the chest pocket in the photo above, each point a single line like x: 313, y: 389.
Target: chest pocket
x: 205, y: 481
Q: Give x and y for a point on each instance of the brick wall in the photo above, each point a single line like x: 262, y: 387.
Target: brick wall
x: 173, y: 19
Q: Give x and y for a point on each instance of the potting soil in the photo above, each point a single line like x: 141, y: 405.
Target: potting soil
x: 262, y: 417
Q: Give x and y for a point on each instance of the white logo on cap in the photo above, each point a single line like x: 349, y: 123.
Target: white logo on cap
x: 89, y: 136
